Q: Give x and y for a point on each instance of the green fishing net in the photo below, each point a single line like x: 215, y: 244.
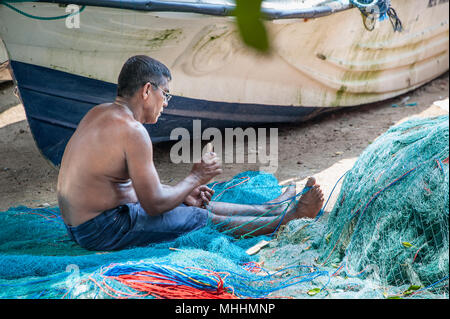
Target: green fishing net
x: 392, y: 213
x: 389, y: 225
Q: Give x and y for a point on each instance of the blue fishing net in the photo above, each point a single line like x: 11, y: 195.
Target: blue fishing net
x: 254, y: 188
x: 37, y: 253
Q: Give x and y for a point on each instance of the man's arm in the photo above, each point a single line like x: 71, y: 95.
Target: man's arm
x: 153, y: 196
x: 199, y: 197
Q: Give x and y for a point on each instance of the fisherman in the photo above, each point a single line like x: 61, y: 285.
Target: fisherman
x: 109, y: 191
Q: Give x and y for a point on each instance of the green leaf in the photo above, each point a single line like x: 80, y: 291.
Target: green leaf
x: 411, y: 289
x: 250, y: 25
x: 414, y: 287
x: 313, y: 291
x: 406, y: 244
x: 394, y: 297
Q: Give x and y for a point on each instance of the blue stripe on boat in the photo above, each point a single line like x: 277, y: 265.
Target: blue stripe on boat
x: 56, y: 101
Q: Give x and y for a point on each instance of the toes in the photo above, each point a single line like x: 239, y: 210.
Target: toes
x: 317, y: 188
x: 311, y: 182
x: 321, y: 197
x: 317, y: 191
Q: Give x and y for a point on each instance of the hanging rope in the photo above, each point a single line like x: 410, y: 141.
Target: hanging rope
x: 395, y: 20
x: 371, y: 9
x: 28, y: 15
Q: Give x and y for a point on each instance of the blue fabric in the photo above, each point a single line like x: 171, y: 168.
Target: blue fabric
x: 130, y: 226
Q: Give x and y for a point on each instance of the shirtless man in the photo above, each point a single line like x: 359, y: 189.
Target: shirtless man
x: 109, y: 191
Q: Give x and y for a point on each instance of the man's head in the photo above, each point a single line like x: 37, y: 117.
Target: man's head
x: 145, y: 81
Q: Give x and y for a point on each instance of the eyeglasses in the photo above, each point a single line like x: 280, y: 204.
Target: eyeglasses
x: 167, y: 96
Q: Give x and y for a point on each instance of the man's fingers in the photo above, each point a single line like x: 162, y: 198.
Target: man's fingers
x: 211, y: 169
x: 205, y: 199
x: 214, y: 161
x: 207, y: 190
x: 209, y: 147
x: 211, y: 158
x: 208, y: 157
x: 216, y: 166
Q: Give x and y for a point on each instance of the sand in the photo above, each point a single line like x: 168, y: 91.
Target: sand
x: 324, y: 147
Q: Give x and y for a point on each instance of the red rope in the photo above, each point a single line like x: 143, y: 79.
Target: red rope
x: 415, y: 256
x: 252, y: 266
x: 161, y: 287
x: 46, y: 217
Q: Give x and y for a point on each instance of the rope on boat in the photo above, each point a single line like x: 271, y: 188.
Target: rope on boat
x: 38, y: 17
x: 370, y: 9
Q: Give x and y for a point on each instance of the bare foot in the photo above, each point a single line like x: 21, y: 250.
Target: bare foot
x: 310, y: 203
x: 288, y: 194
x: 283, y: 203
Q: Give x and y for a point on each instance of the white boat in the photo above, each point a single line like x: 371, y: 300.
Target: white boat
x: 4, y: 72
x: 323, y: 56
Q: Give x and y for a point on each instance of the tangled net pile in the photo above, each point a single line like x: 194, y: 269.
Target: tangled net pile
x: 386, y: 237
x: 392, y: 213
x: 390, y: 222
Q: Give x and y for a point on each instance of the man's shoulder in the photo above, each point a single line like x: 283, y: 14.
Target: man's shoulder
x: 133, y: 127
x: 131, y: 130
x: 115, y: 126
x: 116, y: 119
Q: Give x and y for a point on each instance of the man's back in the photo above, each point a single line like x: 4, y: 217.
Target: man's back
x: 93, y: 176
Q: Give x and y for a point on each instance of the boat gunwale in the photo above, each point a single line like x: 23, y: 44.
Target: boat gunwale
x: 206, y: 8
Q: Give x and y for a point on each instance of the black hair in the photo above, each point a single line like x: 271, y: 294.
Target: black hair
x: 137, y: 71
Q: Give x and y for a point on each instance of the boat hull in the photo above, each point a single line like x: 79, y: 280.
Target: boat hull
x: 326, y: 62
x: 315, y: 64
x: 4, y: 72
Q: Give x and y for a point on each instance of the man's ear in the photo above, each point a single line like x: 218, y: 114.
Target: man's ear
x: 146, y: 90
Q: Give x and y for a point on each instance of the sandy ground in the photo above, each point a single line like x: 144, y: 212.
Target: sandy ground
x: 325, y: 147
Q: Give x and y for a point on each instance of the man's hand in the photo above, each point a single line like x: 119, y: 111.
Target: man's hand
x: 209, y: 167
x: 199, y: 197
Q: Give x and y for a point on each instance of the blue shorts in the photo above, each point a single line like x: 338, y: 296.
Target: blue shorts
x: 129, y: 226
